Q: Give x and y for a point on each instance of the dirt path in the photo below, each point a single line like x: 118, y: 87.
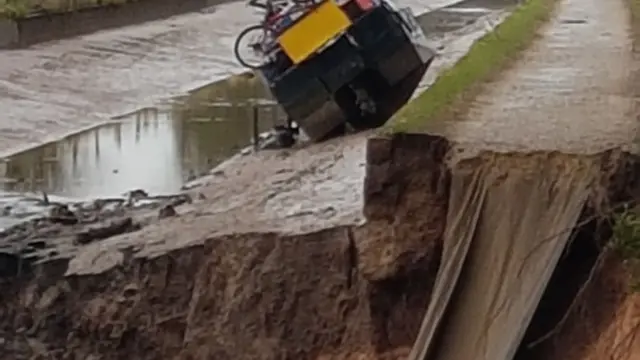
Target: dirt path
x: 569, y: 93
x: 56, y: 88
x: 512, y: 209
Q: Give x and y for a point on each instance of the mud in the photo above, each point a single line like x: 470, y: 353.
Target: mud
x: 47, y: 228
x: 156, y: 149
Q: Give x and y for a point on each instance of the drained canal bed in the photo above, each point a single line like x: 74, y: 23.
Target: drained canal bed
x: 159, y: 149
x: 156, y: 149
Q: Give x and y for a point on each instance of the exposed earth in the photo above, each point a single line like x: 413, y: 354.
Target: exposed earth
x: 468, y: 243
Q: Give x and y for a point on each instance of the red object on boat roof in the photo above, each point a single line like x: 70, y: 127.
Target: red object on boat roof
x: 365, y: 4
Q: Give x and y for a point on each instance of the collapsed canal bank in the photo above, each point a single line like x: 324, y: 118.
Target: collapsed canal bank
x: 361, y: 286
x: 305, y: 278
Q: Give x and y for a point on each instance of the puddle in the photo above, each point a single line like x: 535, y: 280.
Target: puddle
x: 155, y: 149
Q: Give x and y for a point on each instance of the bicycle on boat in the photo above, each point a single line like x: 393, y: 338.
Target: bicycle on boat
x: 335, y: 64
x: 262, y: 37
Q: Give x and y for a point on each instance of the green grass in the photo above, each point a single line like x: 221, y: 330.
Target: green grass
x: 626, y: 242
x: 16, y: 9
x: 626, y: 226
x: 457, y: 86
x: 13, y: 9
x: 634, y: 11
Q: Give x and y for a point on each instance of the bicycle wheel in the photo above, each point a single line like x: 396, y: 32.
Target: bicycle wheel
x: 256, y: 35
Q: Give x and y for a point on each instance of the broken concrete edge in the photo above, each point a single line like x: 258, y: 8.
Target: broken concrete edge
x: 24, y: 31
x: 616, y: 184
x: 455, y: 88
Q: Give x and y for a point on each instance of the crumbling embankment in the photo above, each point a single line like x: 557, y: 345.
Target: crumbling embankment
x: 348, y: 292
x: 249, y: 296
x: 515, y: 224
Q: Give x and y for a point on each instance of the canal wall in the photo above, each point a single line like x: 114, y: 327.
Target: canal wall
x: 41, y: 27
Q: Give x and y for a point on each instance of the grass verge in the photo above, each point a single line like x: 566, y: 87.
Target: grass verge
x: 17, y: 9
x: 626, y: 228
x: 457, y: 86
x: 13, y: 9
x: 634, y: 12
x: 626, y: 242
x: 634, y: 15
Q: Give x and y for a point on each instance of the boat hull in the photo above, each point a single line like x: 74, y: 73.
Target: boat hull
x: 384, y: 53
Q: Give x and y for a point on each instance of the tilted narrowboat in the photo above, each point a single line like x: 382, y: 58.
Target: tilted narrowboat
x: 343, y: 64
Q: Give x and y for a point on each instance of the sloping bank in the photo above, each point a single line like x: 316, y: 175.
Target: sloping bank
x: 183, y: 290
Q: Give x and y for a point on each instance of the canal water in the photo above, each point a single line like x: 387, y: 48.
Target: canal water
x: 155, y: 149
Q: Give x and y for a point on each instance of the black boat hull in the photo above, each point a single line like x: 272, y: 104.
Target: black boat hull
x: 382, y: 53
